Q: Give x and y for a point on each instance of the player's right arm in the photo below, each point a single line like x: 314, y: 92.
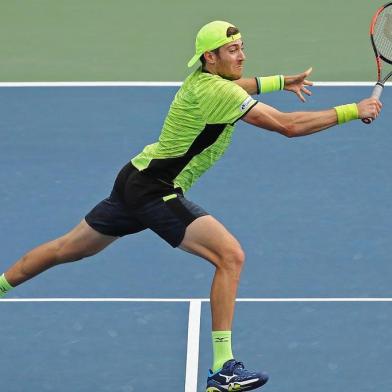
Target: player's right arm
x: 304, y: 123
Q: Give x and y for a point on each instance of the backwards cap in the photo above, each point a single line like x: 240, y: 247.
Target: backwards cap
x: 211, y: 36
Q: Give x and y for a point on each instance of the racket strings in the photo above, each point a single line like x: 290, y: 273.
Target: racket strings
x: 383, y: 33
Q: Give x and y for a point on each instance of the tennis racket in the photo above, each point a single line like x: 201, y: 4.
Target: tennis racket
x: 381, y: 38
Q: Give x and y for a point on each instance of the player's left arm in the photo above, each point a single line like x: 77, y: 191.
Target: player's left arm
x: 296, y: 124
x: 294, y: 83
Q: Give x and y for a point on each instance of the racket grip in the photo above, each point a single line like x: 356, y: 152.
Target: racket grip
x: 377, y: 91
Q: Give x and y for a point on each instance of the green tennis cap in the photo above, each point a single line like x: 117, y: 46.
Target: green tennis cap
x: 211, y: 36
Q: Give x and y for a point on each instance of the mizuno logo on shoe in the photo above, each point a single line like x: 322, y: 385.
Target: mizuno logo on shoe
x: 228, y: 378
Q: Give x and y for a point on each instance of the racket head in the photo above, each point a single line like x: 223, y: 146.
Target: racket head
x: 381, y: 35
x: 381, y: 38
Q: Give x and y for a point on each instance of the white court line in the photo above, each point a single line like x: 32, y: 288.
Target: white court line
x: 348, y: 84
x: 192, y: 355
x: 304, y: 299
x: 90, y: 84
x: 156, y: 84
x: 102, y: 299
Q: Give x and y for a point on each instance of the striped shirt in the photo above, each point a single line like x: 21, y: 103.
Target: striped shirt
x: 197, y: 130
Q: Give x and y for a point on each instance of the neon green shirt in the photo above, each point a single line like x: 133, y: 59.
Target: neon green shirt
x: 197, y: 130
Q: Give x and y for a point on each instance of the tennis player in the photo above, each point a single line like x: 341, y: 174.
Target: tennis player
x: 148, y: 192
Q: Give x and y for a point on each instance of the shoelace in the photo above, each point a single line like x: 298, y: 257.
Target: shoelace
x: 236, y: 365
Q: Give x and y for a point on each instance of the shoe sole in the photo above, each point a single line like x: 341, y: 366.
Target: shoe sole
x: 236, y: 387
x: 233, y: 388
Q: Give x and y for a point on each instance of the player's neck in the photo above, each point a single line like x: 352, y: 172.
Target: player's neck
x: 209, y: 69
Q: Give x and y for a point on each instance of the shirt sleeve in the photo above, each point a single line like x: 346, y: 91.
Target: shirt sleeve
x: 224, y: 102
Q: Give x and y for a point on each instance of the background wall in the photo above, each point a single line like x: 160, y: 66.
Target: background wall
x: 67, y: 40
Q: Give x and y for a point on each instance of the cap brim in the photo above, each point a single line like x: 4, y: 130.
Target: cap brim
x: 193, y: 60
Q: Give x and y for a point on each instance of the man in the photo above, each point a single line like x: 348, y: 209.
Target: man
x: 148, y: 191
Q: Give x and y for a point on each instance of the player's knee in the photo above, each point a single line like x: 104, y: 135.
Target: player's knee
x: 238, y: 258
x: 232, y: 259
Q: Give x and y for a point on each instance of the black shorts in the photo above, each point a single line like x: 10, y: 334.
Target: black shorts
x: 167, y: 215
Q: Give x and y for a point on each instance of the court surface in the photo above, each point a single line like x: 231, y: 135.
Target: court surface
x: 313, y: 215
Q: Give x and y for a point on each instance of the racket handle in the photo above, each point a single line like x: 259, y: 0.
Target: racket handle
x: 377, y: 91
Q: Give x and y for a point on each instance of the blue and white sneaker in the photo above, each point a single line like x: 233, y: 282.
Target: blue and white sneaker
x: 234, y: 377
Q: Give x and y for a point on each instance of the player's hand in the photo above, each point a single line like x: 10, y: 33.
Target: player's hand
x: 297, y: 84
x: 369, y: 108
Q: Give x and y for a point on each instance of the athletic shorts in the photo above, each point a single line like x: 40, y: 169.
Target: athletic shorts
x: 118, y: 215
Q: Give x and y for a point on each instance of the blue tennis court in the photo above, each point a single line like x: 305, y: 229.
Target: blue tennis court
x: 313, y: 215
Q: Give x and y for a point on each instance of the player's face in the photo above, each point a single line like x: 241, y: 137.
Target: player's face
x: 230, y: 60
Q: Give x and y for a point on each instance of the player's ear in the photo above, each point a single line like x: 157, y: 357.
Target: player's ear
x: 210, y: 57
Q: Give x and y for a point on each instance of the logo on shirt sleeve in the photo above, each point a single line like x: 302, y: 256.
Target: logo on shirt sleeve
x: 245, y: 104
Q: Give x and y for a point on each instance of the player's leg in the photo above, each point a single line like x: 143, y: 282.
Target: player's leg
x: 184, y: 224
x: 80, y: 242
x: 107, y: 221
x: 209, y: 239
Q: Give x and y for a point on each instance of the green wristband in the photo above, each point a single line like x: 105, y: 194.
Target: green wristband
x: 4, y: 286
x: 267, y: 84
x: 347, y: 113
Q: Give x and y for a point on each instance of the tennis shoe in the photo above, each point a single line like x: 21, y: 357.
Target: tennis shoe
x: 233, y: 377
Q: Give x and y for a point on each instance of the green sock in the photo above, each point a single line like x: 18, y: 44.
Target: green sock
x: 221, y: 344
x: 4, y: 286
